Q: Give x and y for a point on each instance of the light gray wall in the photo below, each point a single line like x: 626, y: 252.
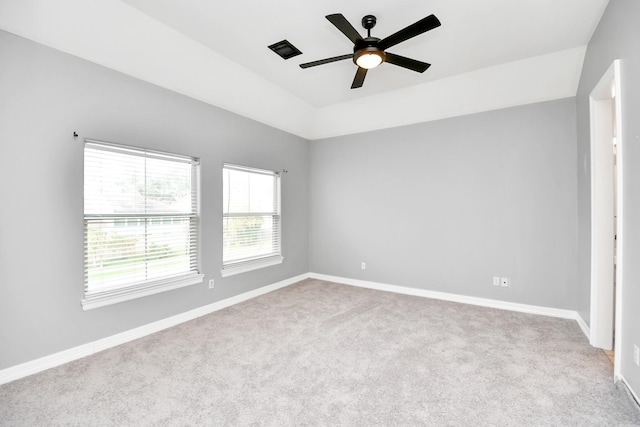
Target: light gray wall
x: 446, y: 205
x: 45, y: 96
x: 617, y: 37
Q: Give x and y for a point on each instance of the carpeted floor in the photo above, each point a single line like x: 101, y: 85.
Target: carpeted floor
x: 319, y: 353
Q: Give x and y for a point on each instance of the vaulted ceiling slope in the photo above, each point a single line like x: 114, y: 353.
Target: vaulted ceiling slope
x: 486, y: 55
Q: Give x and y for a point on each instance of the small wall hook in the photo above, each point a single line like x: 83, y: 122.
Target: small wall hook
x: 285, y: 171
x: 75, y: 135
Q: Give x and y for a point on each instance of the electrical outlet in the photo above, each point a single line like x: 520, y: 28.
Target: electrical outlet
x: 363, y: 265
x: 636, y: 355
x: 496, y: 281
x: 504, y: 282
x: 211, y: 282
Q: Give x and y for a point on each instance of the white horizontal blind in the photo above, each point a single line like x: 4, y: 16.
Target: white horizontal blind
x: 251, y: 215
x: 140, y: 216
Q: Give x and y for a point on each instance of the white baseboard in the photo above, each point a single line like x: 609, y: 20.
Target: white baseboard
x: 583, y: 325
x: 28, y: 368
x: 483, y: 302
x: 32, y: 367
x: 632, y: 394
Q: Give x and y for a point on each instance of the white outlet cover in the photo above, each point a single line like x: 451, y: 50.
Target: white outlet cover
x: 496, y: 281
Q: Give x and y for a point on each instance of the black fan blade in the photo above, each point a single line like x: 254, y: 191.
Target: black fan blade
x: 326, y: 61
x: 422, y: 26
x: 404, y: 62
x: 341, y: 23
x: 359, y: 78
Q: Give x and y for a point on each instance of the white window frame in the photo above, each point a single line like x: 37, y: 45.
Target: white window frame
x: 99, y: 298
x: 253, y: 263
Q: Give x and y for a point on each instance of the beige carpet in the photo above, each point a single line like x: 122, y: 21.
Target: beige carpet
x: 319, y: 353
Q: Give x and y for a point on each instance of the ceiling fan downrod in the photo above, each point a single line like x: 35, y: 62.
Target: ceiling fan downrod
x: 368, y: 22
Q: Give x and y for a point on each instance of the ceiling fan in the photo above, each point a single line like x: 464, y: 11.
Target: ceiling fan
x: 370, y: 52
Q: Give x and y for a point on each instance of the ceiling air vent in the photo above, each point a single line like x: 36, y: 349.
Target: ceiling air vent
x: 285, y: 49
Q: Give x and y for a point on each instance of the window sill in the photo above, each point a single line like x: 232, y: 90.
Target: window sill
x: 231, y: 269
x: 104, y: 298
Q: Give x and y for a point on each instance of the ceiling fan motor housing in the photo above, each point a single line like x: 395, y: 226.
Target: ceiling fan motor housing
x: 367, y: 46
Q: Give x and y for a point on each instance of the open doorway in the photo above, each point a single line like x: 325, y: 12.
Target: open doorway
x: 606, y: 213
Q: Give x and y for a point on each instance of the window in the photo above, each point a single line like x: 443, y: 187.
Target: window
x: 140, y: 223
x: 250, y: 219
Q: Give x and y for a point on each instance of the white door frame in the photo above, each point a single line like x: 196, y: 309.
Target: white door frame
x: 602, y: 319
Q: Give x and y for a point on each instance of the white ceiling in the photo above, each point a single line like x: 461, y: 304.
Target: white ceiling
x: 474, y: 35
x: 487, y: 54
